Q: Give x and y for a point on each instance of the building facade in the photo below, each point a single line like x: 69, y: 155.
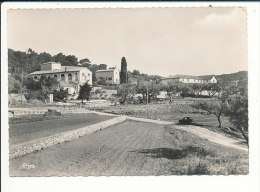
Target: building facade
x: 69, y: 77
x: 109, y: 76
x: 189, y: 79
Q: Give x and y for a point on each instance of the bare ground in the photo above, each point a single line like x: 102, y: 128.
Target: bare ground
x: 23, y: 132
x: 130, y: 148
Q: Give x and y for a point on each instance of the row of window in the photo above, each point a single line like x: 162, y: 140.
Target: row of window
x: 106, y: 78
x: 62, y: 77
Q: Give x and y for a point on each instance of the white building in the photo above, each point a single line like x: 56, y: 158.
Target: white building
x: 70, y: 77
x: 110, y: 76
x: 189, y: 79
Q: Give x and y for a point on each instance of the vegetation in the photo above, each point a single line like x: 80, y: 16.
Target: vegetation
x: 84, y: 92
x: 215, y: 107
x: 123, y: 73
x: 196, y: 156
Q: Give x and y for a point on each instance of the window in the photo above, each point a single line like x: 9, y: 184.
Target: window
x: 35, y: 77
x: 62, y: 77
x: 69, y: 77
x: 76, y: 76
x: 55, y: 76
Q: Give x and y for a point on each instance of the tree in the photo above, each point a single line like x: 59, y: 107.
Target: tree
x: 215, y: 107
x: 237, y: 106
x: 44, y: 58
x: 123, y: 73
x: 136, y: 72
x: 14, y: 86
x: 70, y: 60
x: 196, y: 89
x: 49, y: 85
x: 184, y: 90
x: 126, y: 92
x: 32, y: 85
x: 212, y: 88
x: 84, y: 92
x: 85, y: 61
x: 237, y: 111
x: 60, y: 58
x: 172, y: 89
x: 60, y: 95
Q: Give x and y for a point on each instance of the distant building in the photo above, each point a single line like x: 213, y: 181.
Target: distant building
x: 69, y: 77
x: 109, y: 76
x: 189, y: 79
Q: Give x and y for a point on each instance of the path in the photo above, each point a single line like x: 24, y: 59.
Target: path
x: 213, y: 137
x: 196, y: 130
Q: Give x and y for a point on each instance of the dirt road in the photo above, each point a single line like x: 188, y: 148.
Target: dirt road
x: 214, y: 137
x: 107, y: 152
x: 128, y: 148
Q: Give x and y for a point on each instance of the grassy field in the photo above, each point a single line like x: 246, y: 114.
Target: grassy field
x: 133, y: 148
x: 31, y: 127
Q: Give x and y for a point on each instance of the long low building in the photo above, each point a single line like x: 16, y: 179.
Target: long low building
x: 70, y: 77
x: 189, y: 79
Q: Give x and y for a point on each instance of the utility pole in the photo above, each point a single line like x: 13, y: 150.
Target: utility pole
x: 22, y: 89
x: 147, y: 94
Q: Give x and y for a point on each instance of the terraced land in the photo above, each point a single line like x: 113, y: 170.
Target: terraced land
x: 22, y: 132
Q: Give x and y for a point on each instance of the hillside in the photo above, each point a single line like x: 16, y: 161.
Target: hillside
x: 241, y: 75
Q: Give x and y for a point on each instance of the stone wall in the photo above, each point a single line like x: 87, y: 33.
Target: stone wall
x: 46, y: 142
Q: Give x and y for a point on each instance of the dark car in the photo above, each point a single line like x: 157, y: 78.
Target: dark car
x: 186, y: 120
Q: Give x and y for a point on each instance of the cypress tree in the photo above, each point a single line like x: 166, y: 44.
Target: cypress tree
x: 123, y: 73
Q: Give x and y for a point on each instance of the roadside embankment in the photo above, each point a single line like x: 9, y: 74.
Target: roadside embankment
x: 42, y: 143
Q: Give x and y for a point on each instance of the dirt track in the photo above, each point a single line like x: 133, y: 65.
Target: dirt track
x: 124, y: 149
x: 107, y: 152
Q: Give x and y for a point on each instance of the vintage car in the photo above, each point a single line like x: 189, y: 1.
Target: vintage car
x: 186, y: 120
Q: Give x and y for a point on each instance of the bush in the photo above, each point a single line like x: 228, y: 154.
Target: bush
x: 199, y: 169
x: 35, y: 101
x: 38, y: 94
x: 60, y: 95
x: 51, y: 113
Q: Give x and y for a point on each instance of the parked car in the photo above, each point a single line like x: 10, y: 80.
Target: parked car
x: 186, y: 120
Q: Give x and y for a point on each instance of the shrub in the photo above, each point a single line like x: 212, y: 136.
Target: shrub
x: 199, y: 169
x: 52, y: 112
x: 60, y: 95
x: 38, y: 94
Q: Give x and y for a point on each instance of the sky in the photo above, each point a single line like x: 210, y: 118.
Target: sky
x: 155, y: 41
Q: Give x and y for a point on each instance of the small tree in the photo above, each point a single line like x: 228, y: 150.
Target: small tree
x: 84, y: 92
x: 185, y: 90
x: 196, y: 89
x: 212, y: 88
x: 172, y: 89
x: 215, y: 107
x: 125, y: 92
x: 60, y: 95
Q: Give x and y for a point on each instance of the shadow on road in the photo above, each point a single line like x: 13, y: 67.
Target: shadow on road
x: 173, y: 153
